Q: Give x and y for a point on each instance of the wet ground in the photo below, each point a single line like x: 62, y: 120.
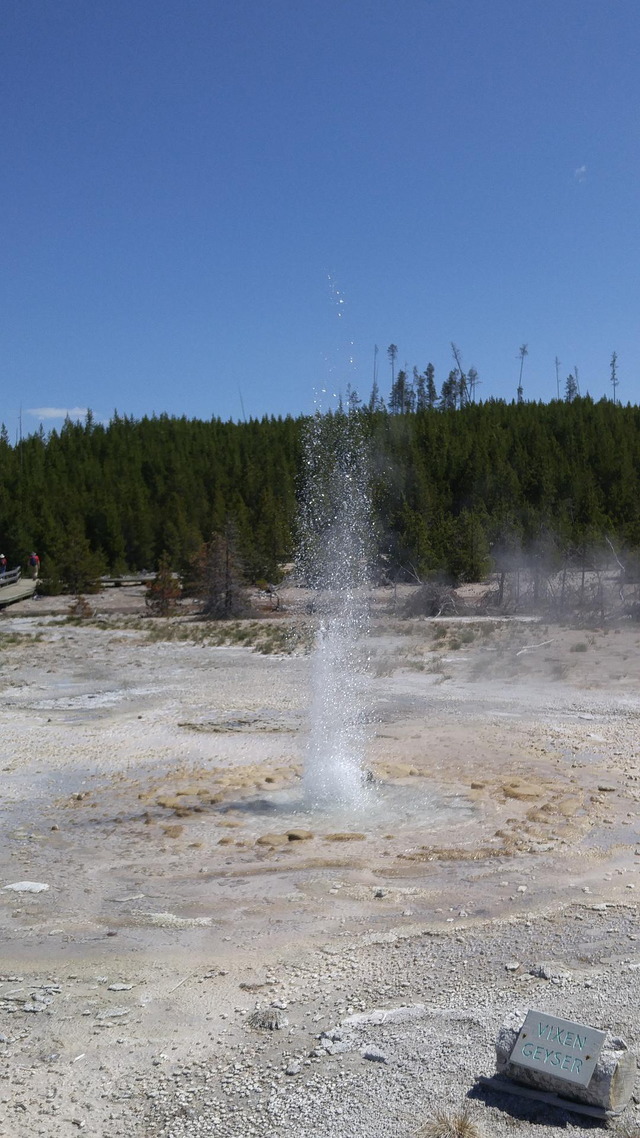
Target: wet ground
x: 170, y: 772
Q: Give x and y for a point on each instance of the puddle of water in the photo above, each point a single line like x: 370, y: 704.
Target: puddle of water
x: 386, y: 804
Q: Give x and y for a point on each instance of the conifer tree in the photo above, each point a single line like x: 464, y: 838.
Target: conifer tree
x: 570, y: 389
x: 392, y: 352
x: 164, y: 591
x: 431, y: 389
x: 450, y: 392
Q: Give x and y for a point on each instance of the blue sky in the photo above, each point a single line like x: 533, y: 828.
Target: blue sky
x: 208, y: 207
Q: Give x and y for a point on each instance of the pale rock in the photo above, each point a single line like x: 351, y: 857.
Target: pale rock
x: 373, y: 1054
x: 28, y: 887
x: 547, y: 970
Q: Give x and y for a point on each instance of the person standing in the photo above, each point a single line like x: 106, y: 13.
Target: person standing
x: 3, y: 563
x: 34, y: 566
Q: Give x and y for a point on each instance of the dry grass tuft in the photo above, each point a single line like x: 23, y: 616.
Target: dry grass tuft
x: 80, y: 609
x: 449, y: 1125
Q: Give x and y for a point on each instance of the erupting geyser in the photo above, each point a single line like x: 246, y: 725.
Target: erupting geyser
x: 334, y: 558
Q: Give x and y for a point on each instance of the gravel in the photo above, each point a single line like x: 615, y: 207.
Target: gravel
x: 376, y: 1076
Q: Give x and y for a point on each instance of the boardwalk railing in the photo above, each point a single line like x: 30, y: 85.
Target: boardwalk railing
x: 11, y: 577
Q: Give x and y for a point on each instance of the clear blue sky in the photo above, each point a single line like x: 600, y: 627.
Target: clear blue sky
x: 191, y: 188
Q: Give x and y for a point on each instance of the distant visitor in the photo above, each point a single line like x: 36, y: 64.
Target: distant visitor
x: 34, y: 565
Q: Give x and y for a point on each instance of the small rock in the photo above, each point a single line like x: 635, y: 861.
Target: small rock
x: 373, y: 1054
x: 403, y: 1014
x: 119, y: 987
x: 512, y: 965
x: 28, y: 887
x: 547, y: 970
x: 293, y: 1069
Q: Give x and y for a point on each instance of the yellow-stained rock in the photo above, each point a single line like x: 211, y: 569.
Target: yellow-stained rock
x: 522, y: 790
x: 346, y: 837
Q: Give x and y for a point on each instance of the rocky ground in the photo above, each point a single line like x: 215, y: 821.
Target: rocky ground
x: 208, y: 960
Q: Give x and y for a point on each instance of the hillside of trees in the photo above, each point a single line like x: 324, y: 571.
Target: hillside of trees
x: 457, y: 489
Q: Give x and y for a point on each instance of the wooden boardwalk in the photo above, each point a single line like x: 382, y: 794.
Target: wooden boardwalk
x: 14, y: 587
x: 127, y: 579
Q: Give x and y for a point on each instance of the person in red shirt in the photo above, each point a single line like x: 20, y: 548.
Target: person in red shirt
x: 34, y: 565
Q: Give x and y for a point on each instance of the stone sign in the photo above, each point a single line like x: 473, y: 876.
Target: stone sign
x: 558, y: 1047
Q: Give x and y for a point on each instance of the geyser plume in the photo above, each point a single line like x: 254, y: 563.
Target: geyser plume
x: 334, y: 557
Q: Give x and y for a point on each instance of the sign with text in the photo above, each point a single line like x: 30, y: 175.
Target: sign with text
x: 558, y: 1047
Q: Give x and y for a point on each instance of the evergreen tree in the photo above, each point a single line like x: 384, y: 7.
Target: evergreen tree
x: 392, y: 352
x: 376, y: 402
x: 419, y: 390
x: 450, y: 392
x: 72, y: 560
x: 353, y: 399
x: 570, y: 389
x: 164, y: 591
x: 401, y: 399
x: 431, y: 390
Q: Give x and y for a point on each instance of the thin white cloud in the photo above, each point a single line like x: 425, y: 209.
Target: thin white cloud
x: 58, y: 412
x: 580, y: 173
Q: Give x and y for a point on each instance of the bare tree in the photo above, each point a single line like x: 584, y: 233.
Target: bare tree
x: 614, y: 375
x: 524, y: 351
x: 219, y: 578
x: 463, y: 386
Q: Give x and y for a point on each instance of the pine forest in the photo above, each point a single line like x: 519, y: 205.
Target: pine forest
x: 458, y: 490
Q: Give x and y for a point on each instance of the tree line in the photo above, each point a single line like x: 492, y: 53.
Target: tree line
x: 457, y: 489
